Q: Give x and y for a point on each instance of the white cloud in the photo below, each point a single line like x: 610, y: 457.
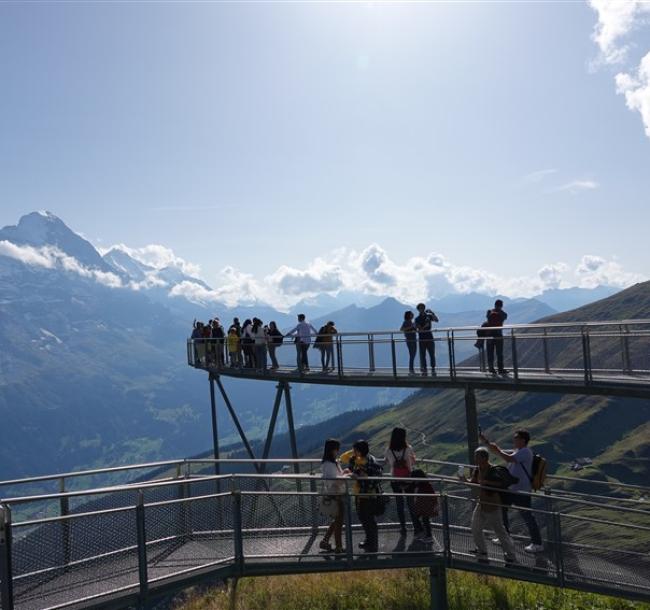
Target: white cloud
x: 616, y: 19
x: 538, y: 176
x: 158, y: 257
x: 594, y: 271
x: 636, y: 90
x: 576, y: 186
x: 370, y: 271
x: 551, y: 275
x: 50, y: 257
x: 27, y: 254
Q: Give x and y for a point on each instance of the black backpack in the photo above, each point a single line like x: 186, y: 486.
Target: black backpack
x: 500, y: 478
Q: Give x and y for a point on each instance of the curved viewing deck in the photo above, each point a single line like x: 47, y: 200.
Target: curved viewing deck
x: 91, y: 544
x: 605, y: 358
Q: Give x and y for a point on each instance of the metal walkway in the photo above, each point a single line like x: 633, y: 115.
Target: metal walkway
x: 605, y: 358
x: 120, y: 546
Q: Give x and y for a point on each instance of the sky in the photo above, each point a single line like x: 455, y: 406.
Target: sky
x: 280, y: 149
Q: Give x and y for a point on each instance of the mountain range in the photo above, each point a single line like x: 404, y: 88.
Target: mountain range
x: 92, y: 358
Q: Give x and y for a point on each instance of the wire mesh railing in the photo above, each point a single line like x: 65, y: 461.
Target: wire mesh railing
x: 587, y: 351
x: 168, y: 530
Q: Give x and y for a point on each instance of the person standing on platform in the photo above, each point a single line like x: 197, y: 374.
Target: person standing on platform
x: 333, y: 487
x: 362, y: 465
x: 257, y: 332
x: 302, y: 333
x: 495, y: 319
x: 275, y: 341
x: 426, y: 344
x: 233, y: 347
x: 327, y: 346
x: 247, y: 344
x: 408, y: 328
x: 520, y: 465
x: 400, y: 458
x: 487, y: 513
x: 218, y: 337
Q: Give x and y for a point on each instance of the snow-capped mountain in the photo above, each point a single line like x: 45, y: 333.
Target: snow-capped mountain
x: 44, y: 229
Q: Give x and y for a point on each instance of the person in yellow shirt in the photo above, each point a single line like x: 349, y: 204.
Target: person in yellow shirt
x: 362, y: 465
x: 233, y: 347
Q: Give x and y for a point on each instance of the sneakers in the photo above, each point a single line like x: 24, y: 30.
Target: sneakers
x: 534, y: 548
x: 427, y: 539
x: 510, y: 559
x: 325, y: 545
x: 496, y: 541
x: 503, y: 372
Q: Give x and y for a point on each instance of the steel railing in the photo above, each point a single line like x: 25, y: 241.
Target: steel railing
x: 581, y: 351
x: 155, y: 531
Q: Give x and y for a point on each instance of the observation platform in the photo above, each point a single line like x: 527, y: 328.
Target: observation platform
x: 125, y: 545
x: 610, y: 358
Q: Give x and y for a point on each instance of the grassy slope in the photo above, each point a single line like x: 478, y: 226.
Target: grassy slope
x: 395, y: 590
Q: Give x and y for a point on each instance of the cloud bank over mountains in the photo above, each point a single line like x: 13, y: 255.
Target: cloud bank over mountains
x: 618, y: 20
x: 370, y: 271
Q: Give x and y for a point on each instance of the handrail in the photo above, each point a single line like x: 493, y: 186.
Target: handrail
x: 284, y: 461
x: 142, y: 531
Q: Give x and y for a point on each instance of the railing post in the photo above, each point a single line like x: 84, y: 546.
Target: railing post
x: 625, y: 348
x: 314, y: 501
x: 586, y: 355
x: 446, y: 535
x: 371, y: 353
x: 142, y: 549
x: 547, y: 368
x: 393, y: 354
x: 349, y: 543
x: 452, y: 354
x: 64, y: 511
x: 515, y: 362
x: 6, y: 574
x: 238, y: 529
x: 559, y: 559
x: 339, y: 350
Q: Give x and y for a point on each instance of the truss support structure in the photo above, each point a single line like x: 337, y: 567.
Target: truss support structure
x: 282, y: 389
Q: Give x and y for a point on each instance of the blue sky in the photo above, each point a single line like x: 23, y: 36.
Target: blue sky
x: 260, y: 135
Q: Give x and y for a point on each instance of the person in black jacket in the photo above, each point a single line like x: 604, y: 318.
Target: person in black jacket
x: 426, y: 344
x: 495, y: 319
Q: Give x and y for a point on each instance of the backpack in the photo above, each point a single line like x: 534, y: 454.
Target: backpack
x: 320, y: 339
x: 538, y: 476
x: 277, y: 338
x: 500, y: 478
x: 400, y: 466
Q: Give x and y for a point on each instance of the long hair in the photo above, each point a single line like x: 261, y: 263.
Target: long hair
x: 398, y: 439
x: 256, y: 324
x: 330, y: 445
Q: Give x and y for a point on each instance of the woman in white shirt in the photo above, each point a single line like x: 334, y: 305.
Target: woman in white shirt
x: 400, y: 461
x: 257, y: 332
x: 332, y: 473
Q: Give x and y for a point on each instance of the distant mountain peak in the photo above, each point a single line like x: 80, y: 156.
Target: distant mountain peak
x: 43, y: 228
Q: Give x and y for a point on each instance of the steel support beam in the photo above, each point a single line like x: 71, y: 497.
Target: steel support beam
x: 292, y: 431
x: 274, y: 417
x: 438, y: 585
x: 215, y: 429
x: 235, y: 420
x: 471, y: 418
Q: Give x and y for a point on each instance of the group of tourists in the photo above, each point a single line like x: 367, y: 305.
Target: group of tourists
x: 498, y: 489
x: 253, y: 343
